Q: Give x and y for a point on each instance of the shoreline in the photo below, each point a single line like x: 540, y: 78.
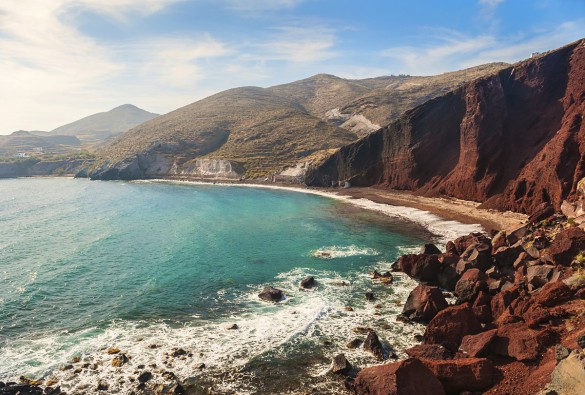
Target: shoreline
x: 442, y: 216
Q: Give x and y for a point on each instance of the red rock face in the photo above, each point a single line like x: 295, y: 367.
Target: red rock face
x: 513, y: 140
x: 399, y: 378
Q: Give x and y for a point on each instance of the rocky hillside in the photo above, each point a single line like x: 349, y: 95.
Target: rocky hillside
x: 104, y: 125
x: 23, y: 142
x: 514, y: 139
x: 261, y: 131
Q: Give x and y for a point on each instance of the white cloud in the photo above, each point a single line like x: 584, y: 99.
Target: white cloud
x: 490, y: 3
x: 297, y: 44
x: 256, y: 6
x: 453, y: 51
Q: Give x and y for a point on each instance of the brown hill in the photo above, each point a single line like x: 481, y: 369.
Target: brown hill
x: 262, y: 131
x: 514, y: 139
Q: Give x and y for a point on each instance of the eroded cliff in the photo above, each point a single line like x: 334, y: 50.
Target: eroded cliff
x: 512, y: 140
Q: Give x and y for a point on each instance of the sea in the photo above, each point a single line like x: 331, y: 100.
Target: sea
x: 162, y: 270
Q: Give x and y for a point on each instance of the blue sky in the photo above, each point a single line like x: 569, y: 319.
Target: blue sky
x: 61, y: 60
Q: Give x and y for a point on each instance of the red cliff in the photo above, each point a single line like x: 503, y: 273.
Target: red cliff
x: 512, y: 140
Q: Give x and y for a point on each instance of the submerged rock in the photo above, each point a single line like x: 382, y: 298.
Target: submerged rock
x: 308, y: 282
x: 373, y: 345
x: 340, y: 365
x: 271, y: 294
x: 119, y: 360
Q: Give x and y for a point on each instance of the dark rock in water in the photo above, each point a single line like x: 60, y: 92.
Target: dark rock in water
x: 102, y: 386
x: 119, y: 360
x: 144, y: 377
x: 424, y: 303
x: 178, y: 352
x: 161, y: 389
x: 407, y: 377
x: 430, y: 249
x: 200, y: 366
x: 340, y: 365
x: 20, y: 389
x: 355, y: 343
x: 370, y: 296
x: 362, y: 330
x: 308, y: 282
x: 271, y: 294
x: 373, y: 345
x: 53, y: 391
x: 233, y: 327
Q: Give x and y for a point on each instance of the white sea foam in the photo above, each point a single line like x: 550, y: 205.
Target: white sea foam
x: 264, y: 328
x: 332, y: 252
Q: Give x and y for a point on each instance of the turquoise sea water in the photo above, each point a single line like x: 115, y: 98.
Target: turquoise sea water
x: 86, y: 265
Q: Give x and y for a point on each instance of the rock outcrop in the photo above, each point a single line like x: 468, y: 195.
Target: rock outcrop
x: 513, y: 140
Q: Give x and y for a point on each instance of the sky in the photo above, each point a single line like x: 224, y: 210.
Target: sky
x: 61, y: 60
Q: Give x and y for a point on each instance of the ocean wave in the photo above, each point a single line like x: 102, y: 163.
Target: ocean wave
x: 332, y: 252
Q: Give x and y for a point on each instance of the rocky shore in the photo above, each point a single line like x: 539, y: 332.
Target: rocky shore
x: 517, y: 324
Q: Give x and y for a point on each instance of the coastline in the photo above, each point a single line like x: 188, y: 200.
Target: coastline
x: 443, y: 216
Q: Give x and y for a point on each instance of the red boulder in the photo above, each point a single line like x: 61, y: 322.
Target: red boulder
x: 399, y: 378
x: 566, y: 245
x: 458, y: 375
x: 451, y: 325
x: 424, y: 303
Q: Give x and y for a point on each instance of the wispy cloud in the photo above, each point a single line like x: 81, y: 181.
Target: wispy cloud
x: 258, y: 6
x: 452, y: 50
x: 297, y: 44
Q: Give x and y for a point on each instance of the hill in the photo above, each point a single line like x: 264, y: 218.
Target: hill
x: 29, y: 143
x: 513, y: 139
x: 259, y: 132
x: 104, y: 125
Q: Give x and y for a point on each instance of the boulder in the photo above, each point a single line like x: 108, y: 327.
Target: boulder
x: 144, y: 377
x: 340, y: 365
x: 407, y: 377
x: 459, y: 375
x: 502, y: 300
x: 541, y: 212
x: 373, y: 345
x: 450, y: 248
x: 448, y: 277
x: 271, y: 294
x: 475, y: 256
x: 516, y: 234
x: 370, y: 296
x: 477, y: 345
x: 308, y: 282
x: 450, y: 326
x: 470, y: 284
x: 517, y: 340
x: 566, y: 245
x: 419, y: 266
x: 429, y: 249
x: 424, y: 303
x: 384, y: 278
x: 355, y: 343
x: 499, y: 240
x: 429, y: 351
x: 553, y: 293
x: 568, y: 378
x: 506, y: 256
x: 482, y: 307
x: 463, y: 242
x: 539, y: 275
